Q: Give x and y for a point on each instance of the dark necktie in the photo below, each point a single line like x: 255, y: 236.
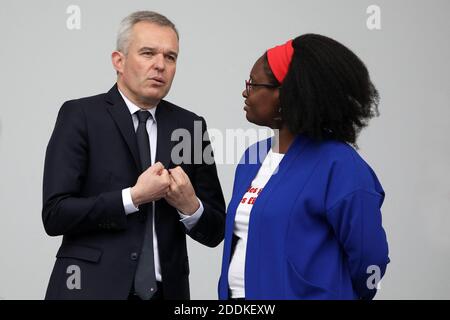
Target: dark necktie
x: 145, y: 279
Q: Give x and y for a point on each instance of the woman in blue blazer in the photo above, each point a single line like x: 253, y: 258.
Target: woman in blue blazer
x: 304, y: 221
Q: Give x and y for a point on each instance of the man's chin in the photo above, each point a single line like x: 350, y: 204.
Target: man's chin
x: 153, y: 97
x: 154, y: 91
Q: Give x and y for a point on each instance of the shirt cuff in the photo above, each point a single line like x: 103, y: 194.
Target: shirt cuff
x: 190, y: 221
x: 128, y: 204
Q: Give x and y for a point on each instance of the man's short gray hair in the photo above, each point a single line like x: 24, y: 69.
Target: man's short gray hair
x: 123, y: 36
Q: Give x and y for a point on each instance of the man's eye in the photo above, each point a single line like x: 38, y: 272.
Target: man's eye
x: 171, y: 58
x: 147, y: 53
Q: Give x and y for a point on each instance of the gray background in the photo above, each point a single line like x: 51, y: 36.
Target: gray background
x: 43, y: 64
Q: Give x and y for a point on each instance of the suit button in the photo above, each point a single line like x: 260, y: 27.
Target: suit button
x: 134, y: 256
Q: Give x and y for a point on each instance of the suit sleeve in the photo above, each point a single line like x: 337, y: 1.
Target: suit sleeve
x: 356, y: 220
x: 65, y: 210
x: 210, y: 228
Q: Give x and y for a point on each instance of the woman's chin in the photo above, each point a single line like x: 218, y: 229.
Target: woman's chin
x: 251, y: 119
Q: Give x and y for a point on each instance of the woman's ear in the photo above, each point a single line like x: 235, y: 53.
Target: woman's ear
x: 277, y: 94
x: 278, y: 116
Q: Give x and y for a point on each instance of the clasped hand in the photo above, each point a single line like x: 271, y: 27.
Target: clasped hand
x: 173, y: 185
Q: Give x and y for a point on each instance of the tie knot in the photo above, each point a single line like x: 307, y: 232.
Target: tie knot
x: 143, y: 116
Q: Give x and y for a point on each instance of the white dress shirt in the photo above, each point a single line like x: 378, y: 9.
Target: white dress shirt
x: 188, y: 221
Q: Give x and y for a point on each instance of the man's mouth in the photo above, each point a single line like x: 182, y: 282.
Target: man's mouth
x: 159, y: 80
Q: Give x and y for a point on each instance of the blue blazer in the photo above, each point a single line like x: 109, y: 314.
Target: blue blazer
x: 315, y: 230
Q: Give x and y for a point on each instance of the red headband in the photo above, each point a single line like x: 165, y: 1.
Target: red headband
x: 279, y: 58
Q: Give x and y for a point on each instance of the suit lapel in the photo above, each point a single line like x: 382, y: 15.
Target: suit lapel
x: 166, y: 123
x: 122, y: 117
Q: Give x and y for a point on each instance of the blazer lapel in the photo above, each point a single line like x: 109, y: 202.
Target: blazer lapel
x: 294, y: 151
x: 253, y: 161
x: 166, y: 123
x: 256, y: 153
x: 122, y: 117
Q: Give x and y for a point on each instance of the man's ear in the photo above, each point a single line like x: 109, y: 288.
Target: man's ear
x: 118, y: 61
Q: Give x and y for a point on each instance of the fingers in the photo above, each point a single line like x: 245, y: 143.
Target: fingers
x: 173, y: 187
x: 180, y: 170
x: 165, y: 177
x: 173, y: 183
x: 164, y: 173
x: 176, y: 180
x: 157, y: 168
x: 178, y: 175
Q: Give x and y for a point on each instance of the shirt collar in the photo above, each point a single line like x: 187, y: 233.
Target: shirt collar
x: 134, y: 108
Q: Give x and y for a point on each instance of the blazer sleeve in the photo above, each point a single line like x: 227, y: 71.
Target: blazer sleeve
x: 356, y: 221
x: 210, y: 228
x: 65, y: 210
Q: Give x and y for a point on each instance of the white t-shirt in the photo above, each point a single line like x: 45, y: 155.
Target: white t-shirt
x: 237, y: 265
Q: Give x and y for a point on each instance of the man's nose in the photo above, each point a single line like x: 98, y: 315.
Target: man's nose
x: 159, y: 62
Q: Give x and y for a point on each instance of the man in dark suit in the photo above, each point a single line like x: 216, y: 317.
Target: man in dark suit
x: 112, y: 187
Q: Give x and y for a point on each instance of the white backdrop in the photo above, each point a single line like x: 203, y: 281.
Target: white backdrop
x: 44, y: 63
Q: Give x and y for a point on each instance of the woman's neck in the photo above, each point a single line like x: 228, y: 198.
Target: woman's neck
x: 283, y: 140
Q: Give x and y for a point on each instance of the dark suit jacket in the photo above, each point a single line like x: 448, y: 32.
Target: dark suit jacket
x: 92, y: 155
